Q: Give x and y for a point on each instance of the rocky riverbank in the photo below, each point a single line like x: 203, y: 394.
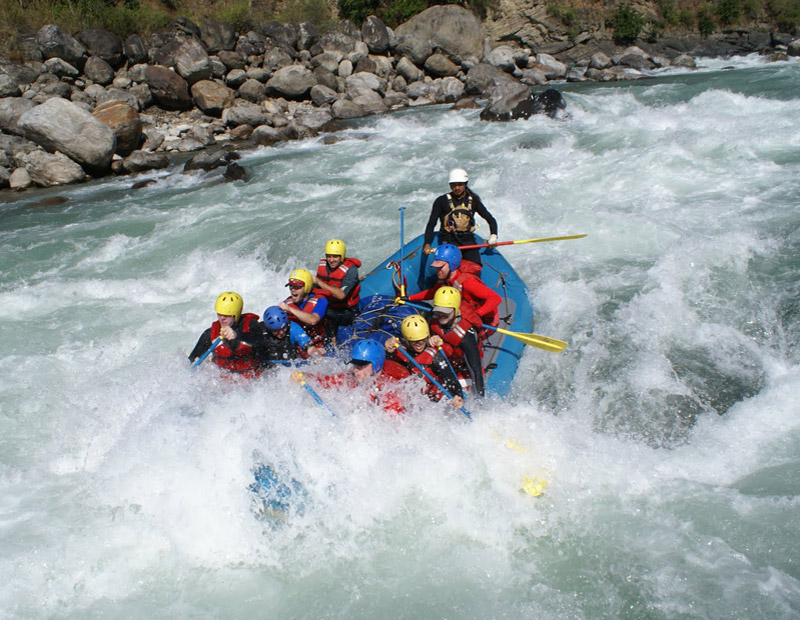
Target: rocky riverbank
x: 89, y: 105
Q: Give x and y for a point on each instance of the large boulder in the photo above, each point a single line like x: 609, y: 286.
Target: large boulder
x: 98, y: 70
x: 244, y: 113
x: 60, y: 125
x: 375, y: 35
x: 192, y: 62
x: 450, y: 28
x: 503, y: 98
x: 11, y: 108
x: 135, y: 49
x: 144, y: 160
x: 511, y: 104
x: 483, y: 77
x: 55, y: 43
x: 212, y: 97
x: 292, y: 82
x: 217, y: 36
x: 50, y: 169
x: 439, y: 65
x: 415, y: 48
x: 104, y: 44
x: 124, y: 121
x: 169, y: 89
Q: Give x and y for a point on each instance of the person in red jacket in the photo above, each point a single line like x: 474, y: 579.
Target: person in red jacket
x: 416, y: 333
x: 370, y: 370
x: 337, y: 280
x: 454, y: 328
x: 304, y: 307
x: 240, y: 334
x: 474, y: 293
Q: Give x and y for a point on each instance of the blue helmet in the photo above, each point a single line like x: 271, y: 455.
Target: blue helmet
x: 450, y: 254
x: 369, y: 350
x: 275, y: 318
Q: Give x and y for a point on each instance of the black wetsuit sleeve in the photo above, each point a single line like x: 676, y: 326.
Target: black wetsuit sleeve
x: 481, y: 210
x: 444, y: 373
x: 203, y: 345
x: 436, y: 215
x: 472, y: 357
x: 350, y: 280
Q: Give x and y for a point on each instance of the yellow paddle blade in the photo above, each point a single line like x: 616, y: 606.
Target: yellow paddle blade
x: 551, y: 239
x: 533, y: 486
x: 535, y: 340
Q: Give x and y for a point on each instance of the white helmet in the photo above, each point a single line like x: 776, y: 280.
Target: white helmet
x: 458, y: 175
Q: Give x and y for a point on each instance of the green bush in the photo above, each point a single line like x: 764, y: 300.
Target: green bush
x: 237, y: 14
x: 358, y: 10
x: 400, y: 11
x: 729, y: 12
x: 786, y: 14
x: 317, y: 12
x: 705, y: 20
x: 627, y: 23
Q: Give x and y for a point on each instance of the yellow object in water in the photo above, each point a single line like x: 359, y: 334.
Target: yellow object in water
x: 533, y: 486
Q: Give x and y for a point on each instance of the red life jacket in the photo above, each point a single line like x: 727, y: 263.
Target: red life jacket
x: 456, y: 279
x: 454, y: 334
x: 424, y: 359
x: 315, y: 332
x: 242, y: 360
x: 334, y: 278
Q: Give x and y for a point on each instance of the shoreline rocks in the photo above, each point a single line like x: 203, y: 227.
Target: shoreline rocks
x: 89, y: 105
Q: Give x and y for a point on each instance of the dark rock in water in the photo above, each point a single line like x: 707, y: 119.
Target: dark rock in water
x: 52, y: 201
x: 206, y: 160
x: 235, y: 172
x: 549, y: 102
x: 141, y: 184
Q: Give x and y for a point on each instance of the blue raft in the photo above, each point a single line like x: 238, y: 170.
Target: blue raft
x: 380, y: 317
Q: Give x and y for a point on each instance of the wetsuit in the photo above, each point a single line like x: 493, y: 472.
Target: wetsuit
x: 456, y: 218
x: 291, y: 346
x: 436, y: 364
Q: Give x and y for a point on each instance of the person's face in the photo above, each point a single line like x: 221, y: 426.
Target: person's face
x: 226, y: 320
x: 458, y: 189
x: 443, y: 318
x: 278, y: 333
x: 418, y: 346
x: 362, y: 372
x: 442, y: 271
x: 297, y: 292
x: 333, y: 260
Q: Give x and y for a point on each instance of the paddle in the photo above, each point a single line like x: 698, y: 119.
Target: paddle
x: 486, y: 245
x: 213, y: 346
x: 535, y: 340
x: 311, y: 391
x: 402, y: 250
x: 430, y: 378
x: 540, y: 342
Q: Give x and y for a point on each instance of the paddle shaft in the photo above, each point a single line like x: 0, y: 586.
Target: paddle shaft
x: 402, y: 249
x: 430, y: 378
x: 316, y: 396
x: 486, y: 245
x: 213, y: 346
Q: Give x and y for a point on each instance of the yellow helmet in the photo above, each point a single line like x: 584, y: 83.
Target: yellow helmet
x: 337, y: 247
x: 415, y: 327
x: 303, y: 276
x: 447, y: 297
x: 230, y: 304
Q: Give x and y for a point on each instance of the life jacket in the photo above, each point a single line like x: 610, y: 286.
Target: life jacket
x: 279, y: 348
x: 335, y: 278
x: 454, y: 334
x: 315, y: 332
x: 242, y: 360
x: 456, y: 279
x: 425, y: 359
x: 460, y: 217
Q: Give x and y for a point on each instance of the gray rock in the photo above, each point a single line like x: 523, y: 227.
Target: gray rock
x: 217, y: 36
x: 55, y: 43
x: 202, y: 134
x: 448, y: 90
x: 344, y: 108
x: 98, y: 70
x: 322, y: 95
x: 61, y: 68
x: 362, y: 82
x: 264, y: 135
x: 153, y: 141
x: 326, y: 78
x: 258, y: 73
x: 314, y: 118
x: 212, y: 97
x: 135, y: 49
x: 293, y: 82
x: 231, y: 59
x: 192, y: 62
x: 345, y: 68
x: 599, y: 61
x: 339, y: 41
x: 276, y: 58
x: 5, y: 175
x: 11, y: 108
x: 413, y: 47
x: 252, y: 90
x: 280, y: 33
x: 439, y: 65
x: 532, y: 77
x: 138, y: 161
x: 451, y: 28
x: 328, y: 60
x: 307, y: 35
x: 370, y: 102
x: 60, y: 125
x: 552, y: 68
x: 408, y: 70
x: 684, y: 60
x: 503, y: 98
x: 123, y: 119
x: 235, y: 78
x: 169, y: 89
x: 20, y: 179
x: 143, y: 95
x: 103, y: 44
x: 244, y: 113
x: 51, y: 169
x: 118, y: 95
x: 8, y: 86
x: 482, y: 78
x: 420, y: 89
x: 503, y: 57
x: 375, y: 35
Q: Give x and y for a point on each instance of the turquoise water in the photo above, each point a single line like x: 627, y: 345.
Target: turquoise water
x: 668, y: 430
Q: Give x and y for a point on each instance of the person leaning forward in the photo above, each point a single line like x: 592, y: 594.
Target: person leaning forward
x: 337, y: 280
x: 455, y: 213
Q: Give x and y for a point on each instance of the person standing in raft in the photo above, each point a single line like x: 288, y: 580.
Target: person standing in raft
x: 337, y: 280
x: 371, y: 370
x: 474, y: 293
x: 284, y: 340
x: 306, y: 308
x: 240, y: 333
x: 415, y: 332
x: 455, y: 213
x: 455, y: 328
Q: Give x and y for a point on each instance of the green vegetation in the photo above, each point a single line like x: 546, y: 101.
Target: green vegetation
x: 729, y: 12
x: 627, y: 23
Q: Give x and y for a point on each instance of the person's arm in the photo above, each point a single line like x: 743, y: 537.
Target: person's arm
x: 432, y: 220
x: 308, y: 318
x: 422, y: 295
x: 203, y: 345
x: 481, y: 210
x: 477, y: 289
x: 446, y: 375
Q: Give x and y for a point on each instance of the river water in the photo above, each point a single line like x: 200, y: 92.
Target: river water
x: 669, y: 430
